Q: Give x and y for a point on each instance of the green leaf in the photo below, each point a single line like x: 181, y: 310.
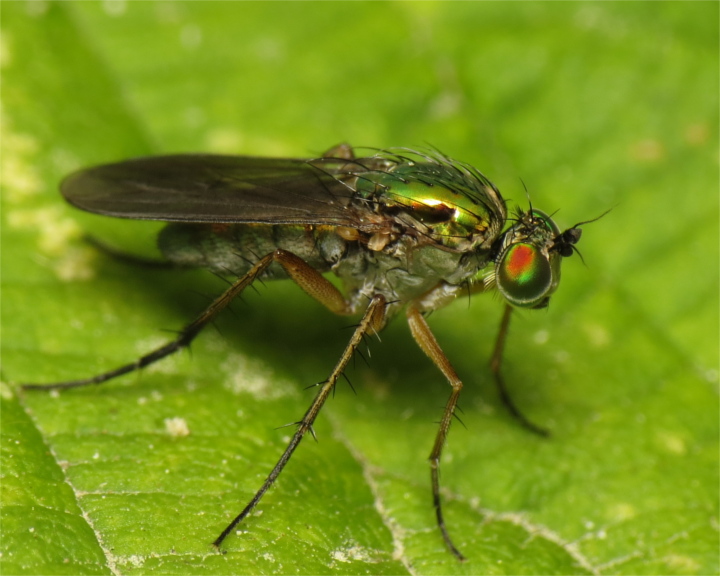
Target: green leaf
x: 593, y: 105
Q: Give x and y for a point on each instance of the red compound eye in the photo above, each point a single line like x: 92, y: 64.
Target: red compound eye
x: 523, y: 275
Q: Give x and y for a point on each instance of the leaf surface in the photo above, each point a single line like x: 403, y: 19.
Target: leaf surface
x: 594, y: 106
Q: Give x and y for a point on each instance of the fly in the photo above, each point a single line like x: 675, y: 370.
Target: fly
x: 403, y: 230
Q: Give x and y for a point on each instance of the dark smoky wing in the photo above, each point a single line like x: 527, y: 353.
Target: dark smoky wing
x: 214, y: 188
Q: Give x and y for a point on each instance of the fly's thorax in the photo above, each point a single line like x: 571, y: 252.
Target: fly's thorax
x: 442, y: 201
x: 234, y: 248
x: 404, y: 271
x: 527, y: 262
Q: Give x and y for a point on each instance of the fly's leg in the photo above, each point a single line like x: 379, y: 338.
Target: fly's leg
x: 372, y: 321
x: 315, y: 285
x: 427, y: 342
x: 495, y: 366
x: 309, y: 279
x: 132, y: 259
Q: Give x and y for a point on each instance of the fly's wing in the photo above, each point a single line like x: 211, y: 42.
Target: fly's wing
x: 215, y: 188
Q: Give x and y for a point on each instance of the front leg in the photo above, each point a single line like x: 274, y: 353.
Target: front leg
x: 496, y: 365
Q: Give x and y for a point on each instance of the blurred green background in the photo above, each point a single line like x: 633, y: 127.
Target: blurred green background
x: 592, y: 105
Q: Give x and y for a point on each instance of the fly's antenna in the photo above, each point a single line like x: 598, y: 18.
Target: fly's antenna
x: 564, y: 243
x: 593, y: 220
x: 527, y: 195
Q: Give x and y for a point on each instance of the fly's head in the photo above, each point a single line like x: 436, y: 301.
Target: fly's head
x: 442, y: 201
x: 528, y: 257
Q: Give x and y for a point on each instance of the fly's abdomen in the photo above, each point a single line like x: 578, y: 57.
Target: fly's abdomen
x: 234, y: 248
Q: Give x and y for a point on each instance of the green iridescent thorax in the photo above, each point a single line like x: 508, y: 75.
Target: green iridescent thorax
x: 447, y: 201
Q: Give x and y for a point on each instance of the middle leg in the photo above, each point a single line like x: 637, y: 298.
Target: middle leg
x: 372, y: 321
x: 428, y: 343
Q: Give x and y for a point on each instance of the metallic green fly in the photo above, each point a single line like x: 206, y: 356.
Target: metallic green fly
x: 403, y: 230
